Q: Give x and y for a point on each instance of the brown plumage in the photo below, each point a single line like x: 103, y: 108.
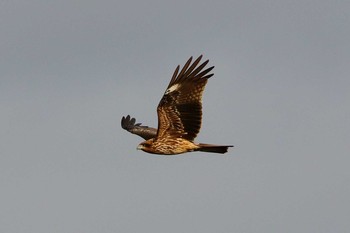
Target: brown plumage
x: 179, y: 114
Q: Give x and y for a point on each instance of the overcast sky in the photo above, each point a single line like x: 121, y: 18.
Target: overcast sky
x: 69, y: 70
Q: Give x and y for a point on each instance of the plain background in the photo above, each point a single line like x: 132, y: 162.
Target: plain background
x: 69, y: 70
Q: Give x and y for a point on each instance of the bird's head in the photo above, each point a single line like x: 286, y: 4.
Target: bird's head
x: 146, y: 145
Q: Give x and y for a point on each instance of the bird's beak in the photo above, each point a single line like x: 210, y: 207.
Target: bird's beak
x: 139, y: 147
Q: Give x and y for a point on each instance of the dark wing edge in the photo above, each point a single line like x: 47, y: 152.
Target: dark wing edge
x: 191, y: 72
x: 145, y: 132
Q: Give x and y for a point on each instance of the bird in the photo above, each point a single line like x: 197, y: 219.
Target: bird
x: 179, y: 114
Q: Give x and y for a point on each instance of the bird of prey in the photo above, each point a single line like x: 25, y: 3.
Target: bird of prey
x: 179, y: 114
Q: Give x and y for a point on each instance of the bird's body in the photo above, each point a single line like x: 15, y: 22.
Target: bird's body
x: 179, y: 115
x: 167, y: 146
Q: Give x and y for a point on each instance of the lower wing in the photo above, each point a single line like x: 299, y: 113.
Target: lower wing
x: 145, y: 132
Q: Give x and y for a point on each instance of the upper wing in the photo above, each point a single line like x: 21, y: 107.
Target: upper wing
x: 138, y: 129
x: 180, y: 109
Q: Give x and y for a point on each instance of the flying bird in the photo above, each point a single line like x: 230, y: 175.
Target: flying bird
x: 179, y: 114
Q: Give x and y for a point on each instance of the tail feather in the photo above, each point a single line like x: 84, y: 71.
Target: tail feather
x: 213, y: 148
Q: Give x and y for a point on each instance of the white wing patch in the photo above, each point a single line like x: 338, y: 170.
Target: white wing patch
x: 172, y: 88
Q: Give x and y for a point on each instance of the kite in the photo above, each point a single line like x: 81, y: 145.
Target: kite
x: 179, y: 115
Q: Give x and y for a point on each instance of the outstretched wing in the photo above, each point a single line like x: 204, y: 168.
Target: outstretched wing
x: 138, y: 129
x: 180, y: 109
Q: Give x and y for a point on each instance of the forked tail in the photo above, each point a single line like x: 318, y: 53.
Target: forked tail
x: 212, y: 148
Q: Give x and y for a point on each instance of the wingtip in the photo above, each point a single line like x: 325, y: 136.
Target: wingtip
x: 125, y: 121
x: 122, y: 121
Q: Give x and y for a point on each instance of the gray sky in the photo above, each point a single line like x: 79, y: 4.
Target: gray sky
x: 69, y: 70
